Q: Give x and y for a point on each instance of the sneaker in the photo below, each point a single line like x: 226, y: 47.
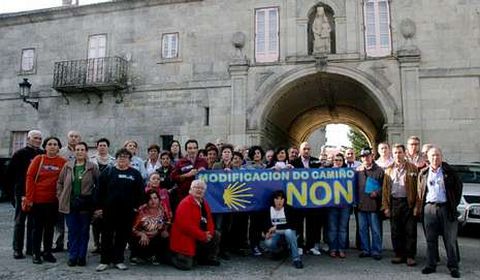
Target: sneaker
x: 298, y: 264
x: 134, y: 261
x: 300, y: 251
x: 121, y: 266
x: 101, y: 267
x: 342, y: 255
x: 49, y: 258
x: 72, y: 262
x: 314, y: 251
x: 256, y: 251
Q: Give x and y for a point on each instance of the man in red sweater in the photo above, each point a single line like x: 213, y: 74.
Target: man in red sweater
x: 187, y: 168
x: 193, y: 233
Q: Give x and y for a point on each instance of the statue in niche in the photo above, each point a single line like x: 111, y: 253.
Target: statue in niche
x: 321, y: 32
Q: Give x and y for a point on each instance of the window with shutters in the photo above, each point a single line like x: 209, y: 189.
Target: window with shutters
x: 267, y: 43
x: 170, y: 45
x: 19, y: 140
x: 377, y: 28
x: 27, y: 64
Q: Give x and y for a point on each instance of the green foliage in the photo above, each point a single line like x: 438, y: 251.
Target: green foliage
x: 357, y: 139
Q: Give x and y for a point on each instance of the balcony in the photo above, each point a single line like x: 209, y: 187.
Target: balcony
x: 90, y: 75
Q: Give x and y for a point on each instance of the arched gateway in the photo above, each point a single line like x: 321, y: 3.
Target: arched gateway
x: 289, y: 107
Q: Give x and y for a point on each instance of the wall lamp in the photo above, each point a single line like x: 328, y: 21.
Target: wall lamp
x: 25, y: 93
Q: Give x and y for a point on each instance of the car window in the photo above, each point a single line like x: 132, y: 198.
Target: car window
x: 468, y: 173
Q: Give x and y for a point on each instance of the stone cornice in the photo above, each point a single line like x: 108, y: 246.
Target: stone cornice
x: 62, y: 12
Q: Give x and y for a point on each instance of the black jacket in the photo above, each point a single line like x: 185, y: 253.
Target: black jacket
x: 313, y: 162
x: 17, y: 170
x: 453, y: 188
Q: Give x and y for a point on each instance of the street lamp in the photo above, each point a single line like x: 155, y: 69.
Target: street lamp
x: 25, y: 93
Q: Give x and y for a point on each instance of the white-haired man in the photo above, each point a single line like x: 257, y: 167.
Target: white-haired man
x: 17, y: 171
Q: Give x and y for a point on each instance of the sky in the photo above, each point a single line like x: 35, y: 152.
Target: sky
x: 337, y: 135
x: 12, y: 6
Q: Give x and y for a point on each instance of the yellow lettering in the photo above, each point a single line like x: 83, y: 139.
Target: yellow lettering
x: 313, y: 196
x: 292, y: 191
x: 340, y: 191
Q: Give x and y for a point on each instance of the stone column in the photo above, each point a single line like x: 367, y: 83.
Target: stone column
x: 238, y: 116
x: 394, y: 133
x: 409, y: 58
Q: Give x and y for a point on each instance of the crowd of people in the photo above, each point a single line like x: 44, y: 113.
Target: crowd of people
x: 157, y: 207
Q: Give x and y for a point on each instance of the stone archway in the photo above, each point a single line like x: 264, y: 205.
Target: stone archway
x: 295, y: 104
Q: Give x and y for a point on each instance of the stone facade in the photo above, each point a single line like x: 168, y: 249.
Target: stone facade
x: 428, y: 86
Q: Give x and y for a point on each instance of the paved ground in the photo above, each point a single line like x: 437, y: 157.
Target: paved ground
x: 243, y: 267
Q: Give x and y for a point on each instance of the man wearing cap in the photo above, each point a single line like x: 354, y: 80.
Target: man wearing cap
x: 439, y: 193
x: 370, y: 178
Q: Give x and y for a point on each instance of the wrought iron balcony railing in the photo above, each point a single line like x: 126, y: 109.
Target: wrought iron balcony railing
x: 100, y: 74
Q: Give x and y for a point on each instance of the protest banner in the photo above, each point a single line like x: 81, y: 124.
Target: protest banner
x: 251, y: 190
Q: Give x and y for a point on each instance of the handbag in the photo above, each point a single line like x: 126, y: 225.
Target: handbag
x: 26, y: 205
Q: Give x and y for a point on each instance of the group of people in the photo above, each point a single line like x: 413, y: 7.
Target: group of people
x: 157, y: 207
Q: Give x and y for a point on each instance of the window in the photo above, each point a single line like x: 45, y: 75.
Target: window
x: 206, y: 121
x: 169, y: 45
x: 96, y: 65
x: 19, y: 140
x: 377, y: 28
x: 28, y: 60
x: 166, y: 141
x: 266, y: 35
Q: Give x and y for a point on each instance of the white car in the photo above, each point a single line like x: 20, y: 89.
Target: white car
x: 469, y: 207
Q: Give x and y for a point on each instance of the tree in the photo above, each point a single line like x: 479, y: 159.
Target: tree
x: 358, y: 140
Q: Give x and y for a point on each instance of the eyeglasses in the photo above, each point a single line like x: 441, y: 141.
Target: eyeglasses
x: 338, y: 159
x: 37, y: 138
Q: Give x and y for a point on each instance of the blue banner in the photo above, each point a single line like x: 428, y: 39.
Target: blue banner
x: 251, y: 190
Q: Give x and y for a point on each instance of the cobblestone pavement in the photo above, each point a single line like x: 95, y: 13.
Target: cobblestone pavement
x: 321, y: 267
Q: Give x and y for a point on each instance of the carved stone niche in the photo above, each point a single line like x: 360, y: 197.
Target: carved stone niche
x: 329, y: 15
x: 408, y: 30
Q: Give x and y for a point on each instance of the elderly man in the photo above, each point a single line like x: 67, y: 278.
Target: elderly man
x: 17, y: 171
x: 413, y: 151
x: 315, y: 219
x: 439, y: 193
x: 292, y: 154
x: 370, y: 178
x: 350, y: 158
x: 399, y: 195
x: 193, y: 232
x: 68, y: 152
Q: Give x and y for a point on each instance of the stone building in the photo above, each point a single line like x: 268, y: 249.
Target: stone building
x: 245, y: 71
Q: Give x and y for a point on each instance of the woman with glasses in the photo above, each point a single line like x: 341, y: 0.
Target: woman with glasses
x: 41, y: 198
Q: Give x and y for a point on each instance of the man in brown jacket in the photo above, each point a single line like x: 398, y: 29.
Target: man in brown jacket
x: 399, y: 193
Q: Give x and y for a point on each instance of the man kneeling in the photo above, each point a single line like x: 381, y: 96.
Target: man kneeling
x: 281, y: 225
x: 193, y: 233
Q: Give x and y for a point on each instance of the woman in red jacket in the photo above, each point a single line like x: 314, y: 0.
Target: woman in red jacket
x: 193, y: 233
x: 41, y: 197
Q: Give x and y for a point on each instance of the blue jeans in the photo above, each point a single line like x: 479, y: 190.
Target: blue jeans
x: 290, y: 236
x: 369, y: 222
x: 338, y: 228
x: 78, y: 224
